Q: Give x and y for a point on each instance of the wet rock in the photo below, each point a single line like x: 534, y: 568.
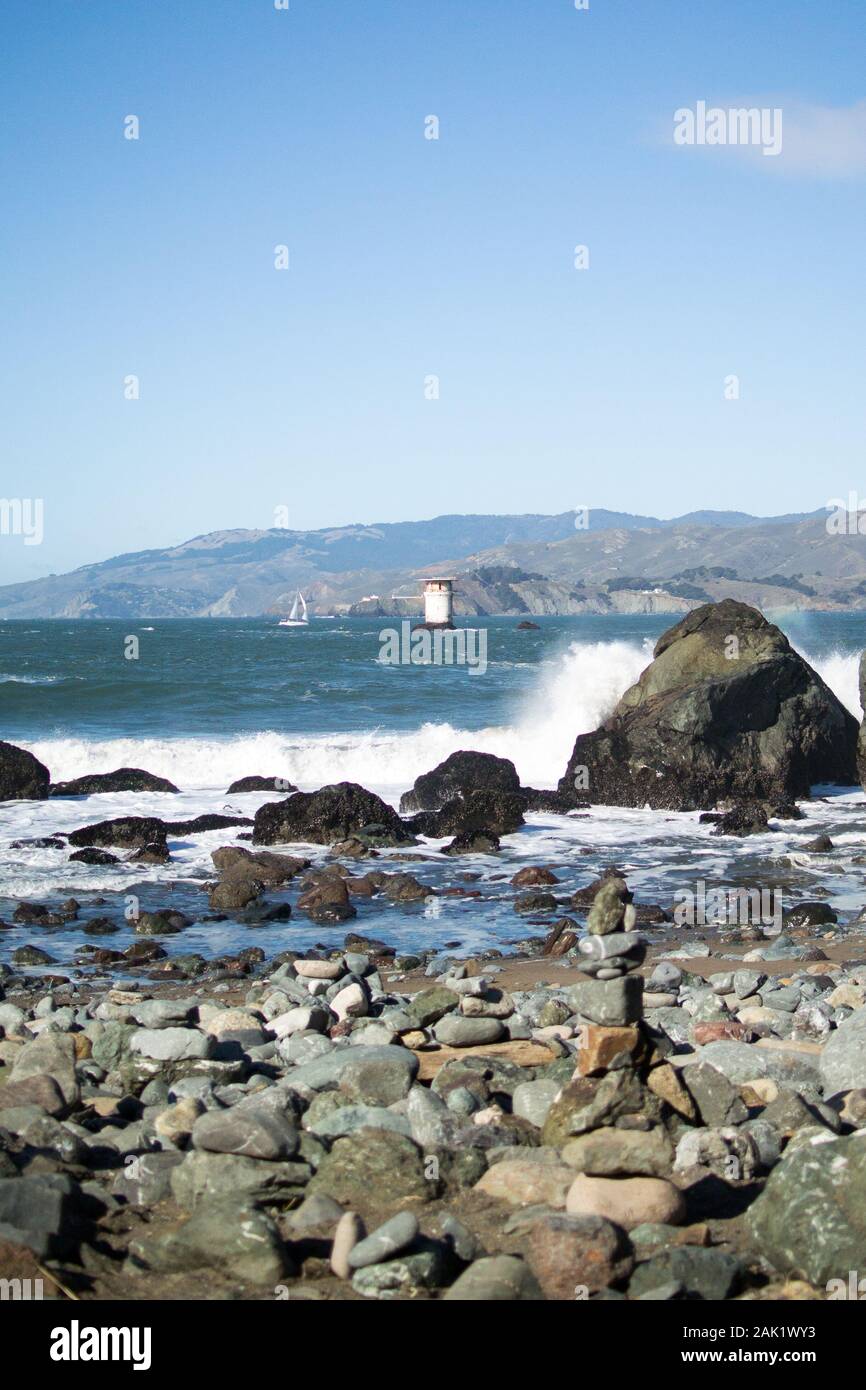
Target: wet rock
x: 124, y: 779
x: 327, y: 901
x: 261, y: 784
x: 534, y: 901
x: 262, y: 866
x: 96, y: 857
x: 533, y: 877
x: 32, y: 955
x: 405, y: 888
x: 124, y: 832
x: 461, y: 773
x: 473, y: 842
x: 746, y: 818
x: 489, y: 812
x: 762, y: 727
x: 233, y: 894
x: 810, y: 914
x: 333, y: 813
x: 22, y: 777
x: 165, y: 922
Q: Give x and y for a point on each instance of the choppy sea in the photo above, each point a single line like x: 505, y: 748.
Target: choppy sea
x: 204, y: 703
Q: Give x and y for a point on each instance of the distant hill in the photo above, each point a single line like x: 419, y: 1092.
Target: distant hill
x: 601, y: 562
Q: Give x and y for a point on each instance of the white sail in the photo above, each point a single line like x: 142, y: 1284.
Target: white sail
x: 298, y: 616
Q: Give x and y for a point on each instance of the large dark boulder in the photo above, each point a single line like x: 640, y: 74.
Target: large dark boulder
x: 332, y: 813
x: 22, y: 777
x: 482, y: 812
x: 460, y: 774
x: 727, y: 709
x: 125, y: 779
x: 125, y: 832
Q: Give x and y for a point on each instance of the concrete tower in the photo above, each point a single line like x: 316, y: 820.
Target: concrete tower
x: 439, y: 602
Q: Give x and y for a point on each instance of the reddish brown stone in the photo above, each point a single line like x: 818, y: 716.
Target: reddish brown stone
x: 723, y: 1031
x: 573, y: 1256
x: 38, y: 1090
x: 601, y: 1048
x: 532, y: 876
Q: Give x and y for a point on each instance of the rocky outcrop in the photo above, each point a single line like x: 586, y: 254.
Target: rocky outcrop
x: 461, y: 773
x: 125, y: 779
x: 727, y: 709
x: 22, y: 777
x: 332, y: 813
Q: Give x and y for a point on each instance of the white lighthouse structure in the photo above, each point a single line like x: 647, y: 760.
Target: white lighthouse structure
x: 439, y: 601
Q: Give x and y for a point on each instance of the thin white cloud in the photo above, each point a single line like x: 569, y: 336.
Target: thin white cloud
x: 828, y: 141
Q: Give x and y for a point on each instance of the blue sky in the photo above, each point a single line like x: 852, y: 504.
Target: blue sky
x: 410, y: 257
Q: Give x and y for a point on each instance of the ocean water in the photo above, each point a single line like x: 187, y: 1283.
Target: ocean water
x: 208, y: 702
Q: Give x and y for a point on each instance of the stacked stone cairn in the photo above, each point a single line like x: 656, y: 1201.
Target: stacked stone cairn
x: 612, y: 1121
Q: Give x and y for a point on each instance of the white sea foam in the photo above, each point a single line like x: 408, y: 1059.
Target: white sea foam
x: 6, y: 679
x: 573, y: 692
x: 840, y: 670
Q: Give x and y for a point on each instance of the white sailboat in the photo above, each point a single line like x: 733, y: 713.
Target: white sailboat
x: 299, y: 607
